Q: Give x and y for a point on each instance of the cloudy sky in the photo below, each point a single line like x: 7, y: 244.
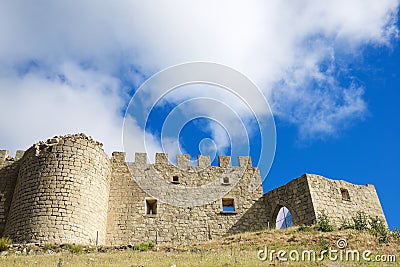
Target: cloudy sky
x: 329, y: 71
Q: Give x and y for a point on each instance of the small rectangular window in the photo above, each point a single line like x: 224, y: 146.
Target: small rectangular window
x: 228, y: 205
x: 151, y: 206
x: 175, y: 179
x: 345, y: 194
x: 225, y: 180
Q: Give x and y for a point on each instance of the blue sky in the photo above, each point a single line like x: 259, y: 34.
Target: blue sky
x: 367, y: 151
x: 329, y: 72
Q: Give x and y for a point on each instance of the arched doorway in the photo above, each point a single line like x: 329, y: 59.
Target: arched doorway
x: 284, y: 218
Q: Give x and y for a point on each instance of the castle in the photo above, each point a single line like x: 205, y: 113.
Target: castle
x: 67, y: 190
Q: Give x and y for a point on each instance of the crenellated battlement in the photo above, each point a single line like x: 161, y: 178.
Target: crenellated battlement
x: 183, y: 160
x: 68, y: 190
x: 5, y: 155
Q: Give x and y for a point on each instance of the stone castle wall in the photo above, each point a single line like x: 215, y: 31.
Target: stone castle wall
x: 341, y: 200
x: 67, y: 190
x: 310, y: 195
x: 61, y: 194
x: 295, y: 196
x: 9, y: 168
x: 192, y: 221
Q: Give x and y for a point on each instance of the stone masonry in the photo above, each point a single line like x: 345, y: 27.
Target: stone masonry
x: 67, y: 190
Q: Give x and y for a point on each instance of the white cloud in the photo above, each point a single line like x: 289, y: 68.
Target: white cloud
x: 136, y: 140
x: 36, y: 107
x: 98, y: 46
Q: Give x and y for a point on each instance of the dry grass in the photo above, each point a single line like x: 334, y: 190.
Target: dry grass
x: 237, y: 250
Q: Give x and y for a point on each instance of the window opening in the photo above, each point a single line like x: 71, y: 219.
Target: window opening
x: 228, y: 205
x: 225, y: 180
x: 284, y: 218
x: 151, y: 206
x: 345, y: 194
x: 175, y: 179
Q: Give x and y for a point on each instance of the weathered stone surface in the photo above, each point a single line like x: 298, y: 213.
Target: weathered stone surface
x: 67, y: 190
x: 327, y: 197
x: 61, y: 194
x: 8, y: 177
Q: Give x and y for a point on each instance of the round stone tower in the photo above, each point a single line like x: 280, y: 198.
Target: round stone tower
x: 61, y: 193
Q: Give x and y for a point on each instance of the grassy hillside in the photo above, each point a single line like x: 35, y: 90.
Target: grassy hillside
x: 237, y: 250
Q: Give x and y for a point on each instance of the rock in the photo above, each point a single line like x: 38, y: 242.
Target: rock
x: 3, y: 253
x: 53, y: 141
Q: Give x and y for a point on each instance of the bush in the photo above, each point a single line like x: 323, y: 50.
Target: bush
x: 325, y: 244
x: 73, y: 248
x: 50, y: 246
x: 346, y: 224
x: 374, y: 224
x: 102, y: 249
x: 360, y: 221
x: 76, y: 248
x: 379, y: 229
x: 5, y: 242
x: 323, y: 223
x: 396, y: 233
x: 144, y: 246
x: 304, y: 228
x: 66, y: 246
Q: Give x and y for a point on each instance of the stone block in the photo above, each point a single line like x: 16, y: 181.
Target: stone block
x: 224, y: 161
x: 245, y: 161
x: 3, y: 155
x: 203, y: 161
x: 118, y: 156
x: 183, y: 161
x: 141, y: 158
x: 162, y: 158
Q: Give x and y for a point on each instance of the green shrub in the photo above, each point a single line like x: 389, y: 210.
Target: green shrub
x: 50, y: 246
x: 360, y: 221
x: 4, y: 243
x: 66, y: 246
x: 73, y: 248
x: 308, y: 228
x: 304, y: 228
x: 378, y: 228
x: 346, y: 224
x: 76, y: 248
x: 151, y: 244
x: 144, y: 246
x: 323, y: 223
x: 396, y: 233
x: 375, y: 225
x: 102, y: 249
x: 325, y: 244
